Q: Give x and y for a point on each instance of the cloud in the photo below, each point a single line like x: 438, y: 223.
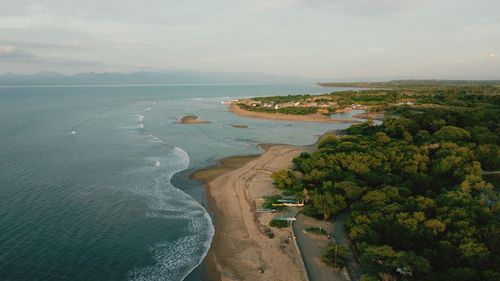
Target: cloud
x: 42, y: 45
x: 14, y: 54
x: 274, y: 5
x: 8, y: 52
x: 302, y: 37
x: 71, y: 63
x: 6, y: 49
x: 364, y: 8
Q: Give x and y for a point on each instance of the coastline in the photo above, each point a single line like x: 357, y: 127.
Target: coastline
x: 234, y: 108
x: 240, y: 249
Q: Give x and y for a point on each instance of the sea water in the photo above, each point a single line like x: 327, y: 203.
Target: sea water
x: 86, y: 176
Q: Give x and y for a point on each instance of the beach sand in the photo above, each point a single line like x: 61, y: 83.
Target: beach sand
x: 234, y: 108
x: 225, y: 165
x: 192, y: 119
x: 240, y: 249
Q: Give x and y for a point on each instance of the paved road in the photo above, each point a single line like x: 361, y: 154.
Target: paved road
x: 340, y: 235
x: 312, y: 247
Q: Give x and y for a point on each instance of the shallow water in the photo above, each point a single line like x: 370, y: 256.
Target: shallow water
x: 85, y: 176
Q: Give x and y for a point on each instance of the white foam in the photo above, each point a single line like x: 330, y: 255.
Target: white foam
x: 155, y: 139
x: 73, y: 132
x: 184, y: 157
x: 140, y: 117
x: 141, y: 126
x: 175, y: 259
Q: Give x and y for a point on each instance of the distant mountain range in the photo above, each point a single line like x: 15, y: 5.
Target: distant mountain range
x: 163, y: 77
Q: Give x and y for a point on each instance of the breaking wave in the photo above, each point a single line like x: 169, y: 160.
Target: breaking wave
x: 176, y: 259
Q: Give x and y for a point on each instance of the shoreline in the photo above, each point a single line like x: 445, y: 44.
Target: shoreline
x: 240, y: 249
x: 205, y: 176
x: 234, y: 108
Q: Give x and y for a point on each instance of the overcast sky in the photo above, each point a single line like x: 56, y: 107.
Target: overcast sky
x: 332, y: 39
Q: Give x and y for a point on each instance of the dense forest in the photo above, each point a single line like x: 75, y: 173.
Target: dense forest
x: 419, y: 206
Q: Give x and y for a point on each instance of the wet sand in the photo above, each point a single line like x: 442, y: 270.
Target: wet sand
x: 224, y: 165
x: 240, y: 249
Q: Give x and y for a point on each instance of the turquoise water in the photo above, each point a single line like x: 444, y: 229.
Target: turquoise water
x: 86, y: 172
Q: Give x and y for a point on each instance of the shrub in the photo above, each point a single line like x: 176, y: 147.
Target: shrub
x: 278, y: 223
x: 317, y: 230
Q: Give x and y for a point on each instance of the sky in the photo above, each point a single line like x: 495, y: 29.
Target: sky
x: 324, y: 39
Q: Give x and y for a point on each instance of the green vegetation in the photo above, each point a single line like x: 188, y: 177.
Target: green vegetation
x: 281, y: 99
x: 269, y: 201
x: 279, y: 223
x: 370, y: 98
x: 419, y: 206
x: 284, y: 110
x: 384, y: 95
x: 317, y: 230
x: 336, y: 255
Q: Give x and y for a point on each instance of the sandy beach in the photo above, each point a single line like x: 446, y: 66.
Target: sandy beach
x: 192, y: 119
x: 241, y: 250
x: 234, y: 108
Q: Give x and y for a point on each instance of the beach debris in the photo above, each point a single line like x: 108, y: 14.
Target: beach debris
x: 288, y: 204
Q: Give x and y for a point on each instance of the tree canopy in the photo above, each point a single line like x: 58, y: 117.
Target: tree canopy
x: 419, y: 207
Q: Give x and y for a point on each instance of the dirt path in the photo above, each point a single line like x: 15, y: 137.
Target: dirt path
x: 340, y: 235
x: 312, y: 246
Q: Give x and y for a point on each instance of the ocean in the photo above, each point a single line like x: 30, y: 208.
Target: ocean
x: 94, y: 180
